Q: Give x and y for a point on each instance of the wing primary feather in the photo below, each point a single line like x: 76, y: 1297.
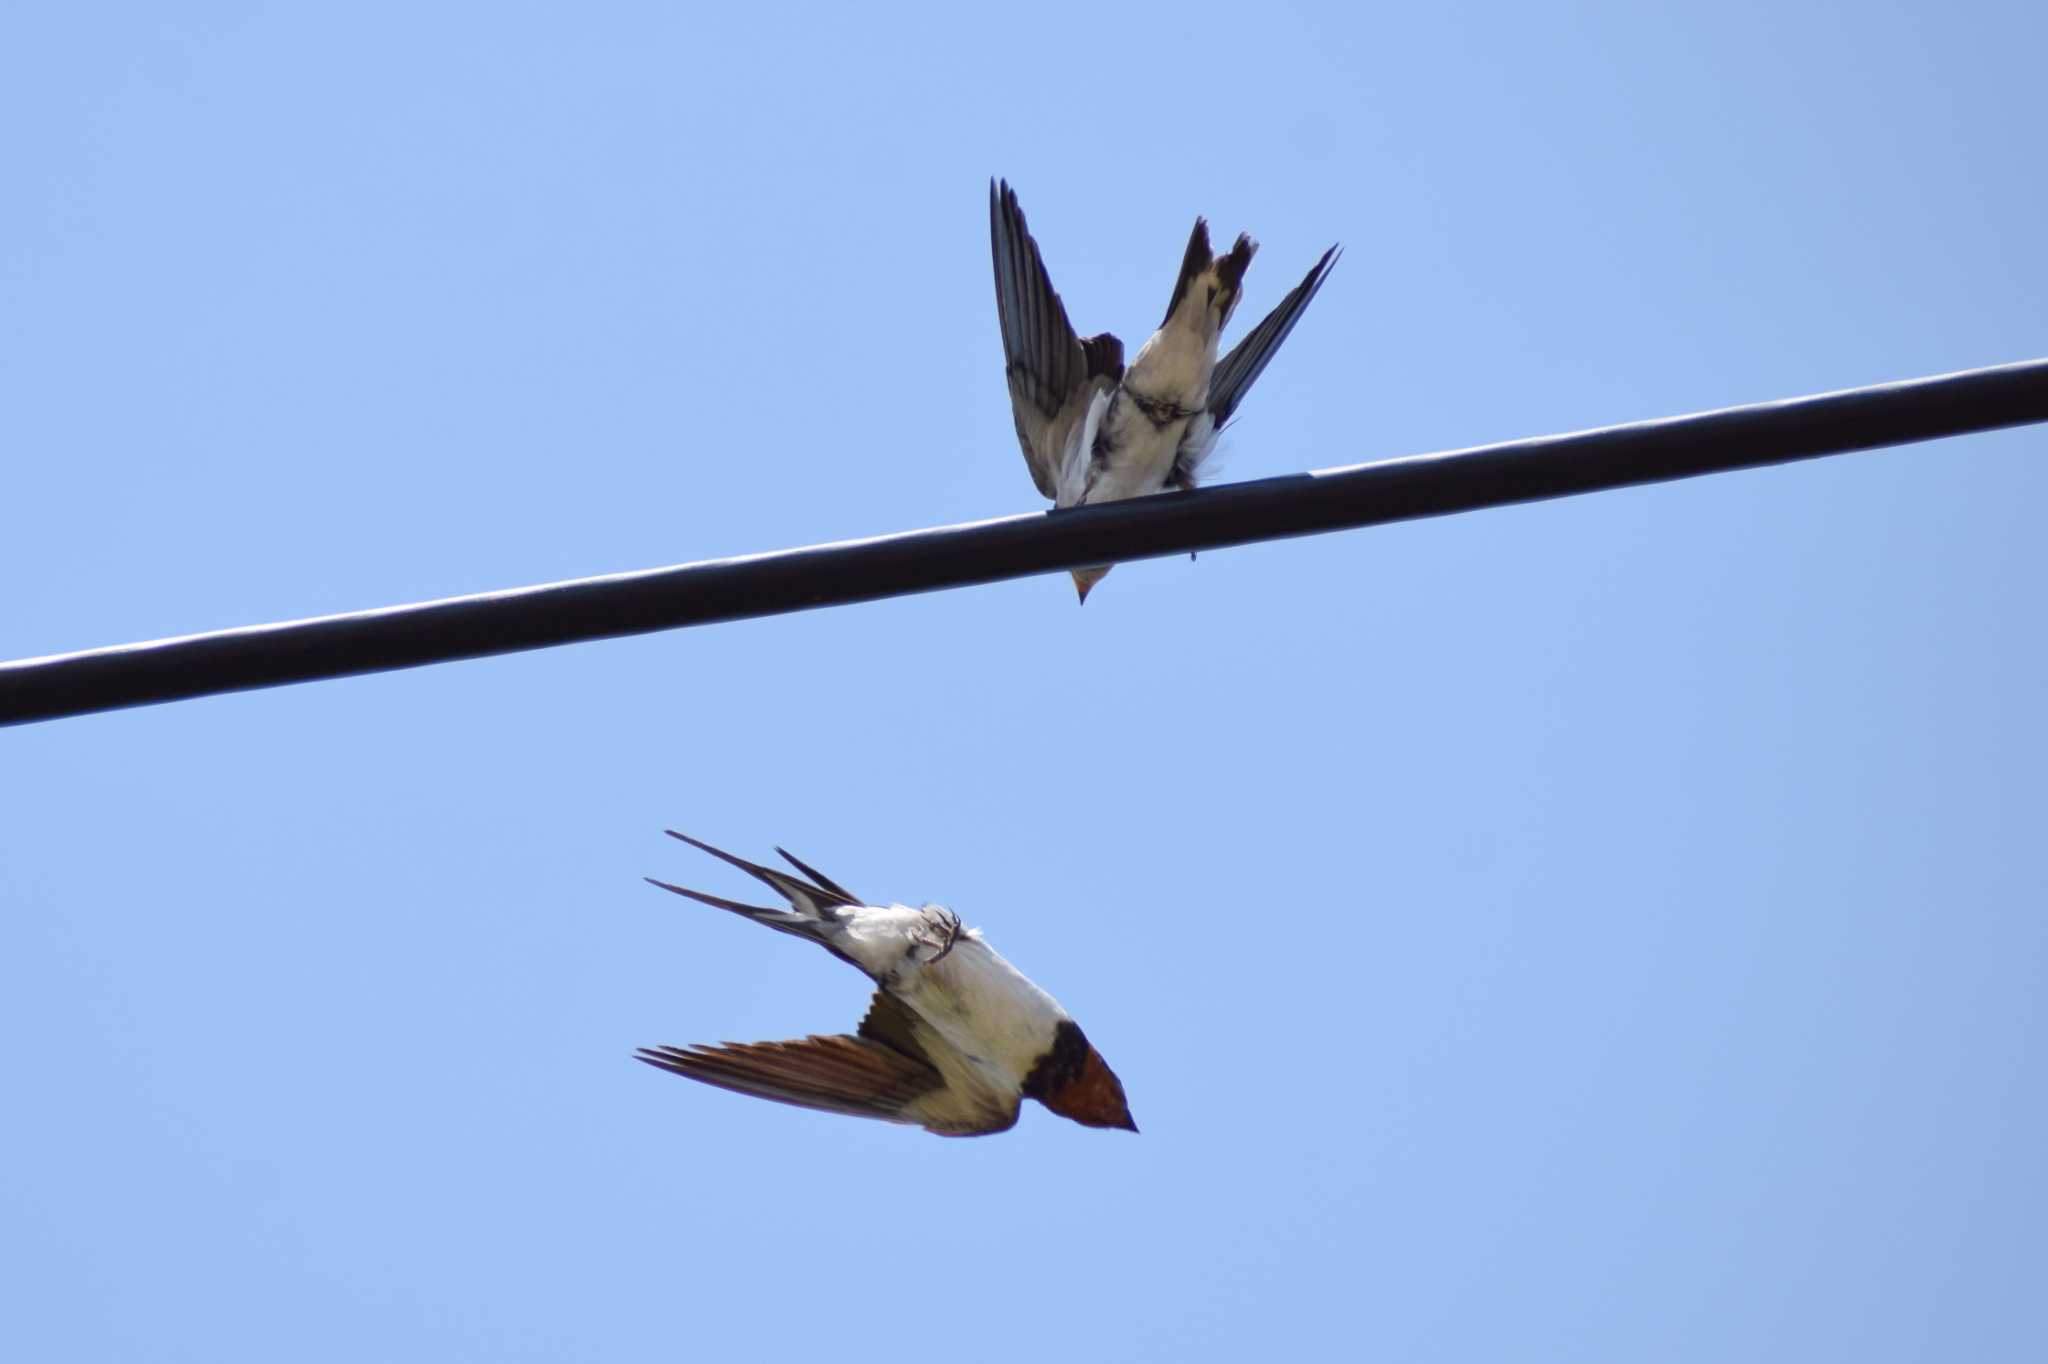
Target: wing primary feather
x: 848, y: 1075
x: 1052, y: 374
x: 888, y: 1022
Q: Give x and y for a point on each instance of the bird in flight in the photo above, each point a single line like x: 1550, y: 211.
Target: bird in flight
x: 954, y: 1041
x: 1094, y: 430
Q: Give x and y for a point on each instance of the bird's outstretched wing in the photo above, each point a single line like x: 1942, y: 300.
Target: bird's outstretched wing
x: 1054, y: 375
x: 885, y: 1072
x: 850, y: 1075
x: 1237, y: 371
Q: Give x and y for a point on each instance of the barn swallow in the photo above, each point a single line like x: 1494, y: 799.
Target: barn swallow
x: 1094, y: 430
x: 954, y: 1041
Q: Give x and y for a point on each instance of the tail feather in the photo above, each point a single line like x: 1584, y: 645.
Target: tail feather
x: 781, y: 920
x: 1197, y: 259
x: 1230, y: 269
x: 814, y: 912
x: 824, y: 882
x: 818, y: 901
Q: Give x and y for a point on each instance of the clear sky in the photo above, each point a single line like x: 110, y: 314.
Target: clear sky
x: 1601, y: 930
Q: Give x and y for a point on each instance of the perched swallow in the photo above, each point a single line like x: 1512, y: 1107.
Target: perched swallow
x: 1094, y: 430
x: 954, y: 1042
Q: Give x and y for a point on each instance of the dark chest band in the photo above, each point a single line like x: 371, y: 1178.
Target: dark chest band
x: 1159, y: 412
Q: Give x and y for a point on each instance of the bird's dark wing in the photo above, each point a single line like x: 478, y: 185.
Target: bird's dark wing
x: 1235, y: 373
x: 851, y: 1075
x: 1053, y: 374
x: 884, y: 1072
x: 891, y: 1024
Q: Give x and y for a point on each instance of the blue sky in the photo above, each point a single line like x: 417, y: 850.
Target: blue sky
x: 1606, y: 929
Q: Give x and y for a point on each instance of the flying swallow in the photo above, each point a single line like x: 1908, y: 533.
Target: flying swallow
x: 1095, y: 430
x: 954, y: 1041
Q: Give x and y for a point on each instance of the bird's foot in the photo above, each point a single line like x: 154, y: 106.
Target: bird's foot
x: 938, y: 938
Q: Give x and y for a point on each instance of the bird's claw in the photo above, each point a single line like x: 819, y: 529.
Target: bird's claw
x: 931, y: 941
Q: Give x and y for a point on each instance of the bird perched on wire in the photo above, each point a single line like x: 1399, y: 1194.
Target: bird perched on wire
x: 1094, y: 430
x: 954, y: 1041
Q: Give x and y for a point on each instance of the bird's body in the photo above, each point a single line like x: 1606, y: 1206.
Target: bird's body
x: 1151, y: 414
x: 955, y: 1039
x: 1094, y: 430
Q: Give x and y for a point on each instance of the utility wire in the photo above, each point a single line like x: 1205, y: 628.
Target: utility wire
x: 1016, y: 546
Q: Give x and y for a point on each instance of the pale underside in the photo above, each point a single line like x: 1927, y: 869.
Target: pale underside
x: 949, y: 1037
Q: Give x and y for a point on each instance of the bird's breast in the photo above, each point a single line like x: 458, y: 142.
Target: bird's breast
x: 1134, y: 447
x: 985, y: 1008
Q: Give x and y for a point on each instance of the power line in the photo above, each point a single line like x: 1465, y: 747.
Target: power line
x: 1016, y: 546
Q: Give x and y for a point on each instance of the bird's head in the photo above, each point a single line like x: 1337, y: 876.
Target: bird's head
x: 1085, y: 580
x: 1075, y: 1082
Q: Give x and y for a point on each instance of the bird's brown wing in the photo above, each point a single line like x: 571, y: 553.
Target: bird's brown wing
x: 850, y: 1075
x: 884, y: 1072
x: 1054, y: 375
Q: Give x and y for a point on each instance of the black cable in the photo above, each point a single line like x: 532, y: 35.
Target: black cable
x: 987, y: 551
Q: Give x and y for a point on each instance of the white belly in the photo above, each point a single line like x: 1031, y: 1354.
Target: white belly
x: 985, y: 1007
x: 1136, y: 456
x: 1133, y: 455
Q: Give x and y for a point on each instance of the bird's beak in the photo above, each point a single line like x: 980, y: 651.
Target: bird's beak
x: 1085, y: 580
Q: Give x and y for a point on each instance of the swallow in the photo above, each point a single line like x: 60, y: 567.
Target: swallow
x: 1096, y: 430
x: 954, y: 1040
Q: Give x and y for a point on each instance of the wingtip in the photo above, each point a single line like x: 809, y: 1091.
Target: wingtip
x: 668, y: 1060
x: 1320, y: 271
